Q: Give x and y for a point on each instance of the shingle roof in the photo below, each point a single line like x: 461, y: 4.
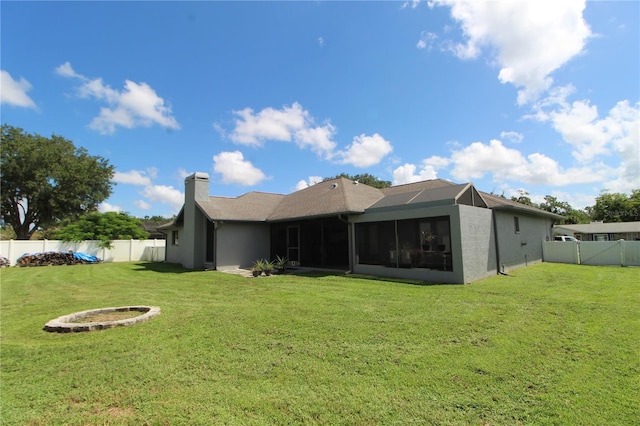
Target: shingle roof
x: 344, y: 196
x: 417, y: 186
x: 253, y: 206
x: 430, y: 192
x: 330, y: 197
x: 500, y: 203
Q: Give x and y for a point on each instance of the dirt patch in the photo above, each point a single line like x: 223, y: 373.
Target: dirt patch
x: 111, y: 316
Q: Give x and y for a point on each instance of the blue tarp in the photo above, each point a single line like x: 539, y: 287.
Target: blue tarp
x: 85, y: 257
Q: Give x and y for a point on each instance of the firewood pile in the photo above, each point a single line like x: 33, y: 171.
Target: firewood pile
x: 55, y: 258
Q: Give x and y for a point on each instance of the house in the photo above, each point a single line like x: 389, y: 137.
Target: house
x: 151, y: 227
x: 434, y: 230
x: 599, y: 231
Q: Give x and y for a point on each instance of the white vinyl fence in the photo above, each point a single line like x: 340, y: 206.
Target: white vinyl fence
x: 621, y: 252
x: 122, y: 250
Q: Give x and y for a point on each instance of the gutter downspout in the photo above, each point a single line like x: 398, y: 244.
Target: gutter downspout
x: 495, y: 236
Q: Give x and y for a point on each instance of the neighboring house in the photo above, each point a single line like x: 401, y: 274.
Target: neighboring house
x: 433, y: 230
x: 599, y: 231
x: 152, y: 228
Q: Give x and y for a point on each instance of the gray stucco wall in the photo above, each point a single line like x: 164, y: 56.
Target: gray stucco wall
x: 173, y: 254
x: 238, y: 245
x: 521, y: 248
x: 477, y: 243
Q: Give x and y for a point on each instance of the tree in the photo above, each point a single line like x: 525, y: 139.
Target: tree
x: 365, y: 178
x: 104, y: 227
x: 45, y: 180
x: 156, y: 218
x: 617, y: 207
x: 572, y: 216
x: 523, y: 198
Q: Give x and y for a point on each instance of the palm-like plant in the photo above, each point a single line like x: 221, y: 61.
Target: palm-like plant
x: 280, y: 264
x: 258, y: 267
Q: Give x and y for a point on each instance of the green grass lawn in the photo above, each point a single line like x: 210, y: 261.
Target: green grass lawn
x: 552, y: 344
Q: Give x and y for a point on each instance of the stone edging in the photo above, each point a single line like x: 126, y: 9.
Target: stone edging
x: 73, y: 322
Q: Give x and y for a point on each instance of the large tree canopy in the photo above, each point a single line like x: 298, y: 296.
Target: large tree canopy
x: 103, y: 227
x: 617, y: 207
x: 45, y: 180
x: 572, y: 216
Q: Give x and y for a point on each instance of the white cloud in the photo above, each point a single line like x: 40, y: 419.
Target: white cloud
x: 437, y: 162
x: 268, y: 124
x: 152, y: 172
x: 133, y: 177
x: 592, y: 136
x: 136, y: 105
x: 412, y: 4
x: 320, y: 41
x: 531, y: 39
x: 513, y: 137
x: 164, y: 194
x: 580, y: 126
x: 478, y: 159
x: 430, y: 166
x: 365, y: 151
x: 160, y: 193
x: 14, y: 92
x: 142, y: 205
x: 183, y: 174
x: 66, y: 70
x: 105, y: 207
x: 318, y: 139
x: 286, y: 125
x: 235, y: 169
x: 302, y: 184
x: 407, y: 174
x: 503, y: 164
x: 427, y: 40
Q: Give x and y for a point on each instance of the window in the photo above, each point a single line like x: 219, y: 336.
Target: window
x: 174, y: 238
x: 516, y: 224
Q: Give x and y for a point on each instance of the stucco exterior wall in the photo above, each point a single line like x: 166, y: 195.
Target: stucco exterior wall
x: 477, y: 243
x: 173, y: 254
x: 238, y: 245
x: 517, y: 249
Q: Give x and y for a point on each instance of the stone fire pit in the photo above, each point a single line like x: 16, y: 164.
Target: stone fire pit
x: 100, y: 319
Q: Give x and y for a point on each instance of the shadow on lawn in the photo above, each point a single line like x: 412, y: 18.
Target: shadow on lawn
x: 329, y: 273
x: 162, y: 267
x: 400, y: 280
x: 301, y: 272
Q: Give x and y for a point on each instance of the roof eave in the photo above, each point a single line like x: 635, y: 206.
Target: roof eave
x: 315, y: 216
x: 536, y: 212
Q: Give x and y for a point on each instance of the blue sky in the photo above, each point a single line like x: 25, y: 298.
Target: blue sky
x: 542, y: 97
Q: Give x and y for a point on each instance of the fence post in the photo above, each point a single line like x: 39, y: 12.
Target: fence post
x: 622, y: 251
x: 130, y: 249
x: 10, y: 255
x: 578, y: 252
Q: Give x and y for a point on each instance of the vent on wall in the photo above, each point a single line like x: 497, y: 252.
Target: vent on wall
x: 334, y: 185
